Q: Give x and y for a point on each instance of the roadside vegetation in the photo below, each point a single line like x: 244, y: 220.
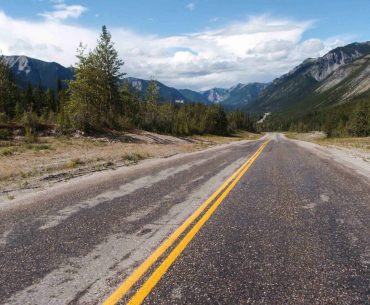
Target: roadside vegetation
x: 356, y: 143
x: 344, y: 121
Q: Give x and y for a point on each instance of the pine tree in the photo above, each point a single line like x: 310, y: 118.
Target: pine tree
x: 360, y: 120
x: 8, y: 90
x: 95, y: 99
x: 108, y: 63
x: 152, y: 97
x: 152, y: 92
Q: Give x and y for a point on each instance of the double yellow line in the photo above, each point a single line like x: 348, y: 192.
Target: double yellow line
x: 152, y: 281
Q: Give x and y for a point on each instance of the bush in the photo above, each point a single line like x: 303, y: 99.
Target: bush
x: 3, y: 118
x: 5, y: 134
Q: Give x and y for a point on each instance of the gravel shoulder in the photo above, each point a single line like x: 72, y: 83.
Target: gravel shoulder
x: 354, y: 158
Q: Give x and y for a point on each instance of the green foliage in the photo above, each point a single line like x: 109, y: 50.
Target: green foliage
x: 8, y: 90
x: 133, y: 157
x: 94, y: 94
x: 30, y: 122
x: 360, y: 120
x: 7, y: 151
x: 73, y: 163
x: 349, y: 119
x: 239, y: 120
x: 5, y: 134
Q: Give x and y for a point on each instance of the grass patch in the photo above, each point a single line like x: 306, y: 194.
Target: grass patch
x: 38, y: 147
x: 133, y: 157
x: 349, y: 142
x: 291, y: 135
x: 358, y: 143
x: 73, y: 163
x: 10, y: 197
x: 7, y: 151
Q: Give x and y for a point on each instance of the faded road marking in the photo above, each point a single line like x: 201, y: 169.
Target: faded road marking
x: 158, y: 273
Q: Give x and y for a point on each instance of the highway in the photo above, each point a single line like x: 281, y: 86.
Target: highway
x: 252, y: 222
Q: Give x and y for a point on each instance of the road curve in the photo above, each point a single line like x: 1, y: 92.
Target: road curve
x: 294, y: 229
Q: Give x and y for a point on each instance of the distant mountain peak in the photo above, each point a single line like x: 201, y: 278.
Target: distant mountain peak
x: 27, y: 70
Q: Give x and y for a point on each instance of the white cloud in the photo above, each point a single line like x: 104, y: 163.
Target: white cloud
x: 63, y: 11
x: 190, y: 6
x: 258, y: 49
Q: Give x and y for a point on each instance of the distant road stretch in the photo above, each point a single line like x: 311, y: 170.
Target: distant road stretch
x: 253, y: 222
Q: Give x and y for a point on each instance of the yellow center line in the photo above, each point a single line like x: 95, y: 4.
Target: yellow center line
x: 140, y: 271
x: 152, y: 281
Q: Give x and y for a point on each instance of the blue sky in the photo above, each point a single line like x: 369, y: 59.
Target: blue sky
x: 195, y: 44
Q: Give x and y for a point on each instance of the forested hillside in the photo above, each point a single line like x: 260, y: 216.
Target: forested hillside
x: 330, y: 93
x: 337, y: 77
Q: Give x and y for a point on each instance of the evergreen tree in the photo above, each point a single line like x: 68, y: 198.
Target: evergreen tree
x: 360, y: 121
x: 152, y: 92
x: 152, y: 97
x: 8, y: 90
x: 95, y: 99
x: 109, y: 65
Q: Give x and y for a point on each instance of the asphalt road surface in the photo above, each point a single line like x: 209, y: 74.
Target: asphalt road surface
x: 288, y: 227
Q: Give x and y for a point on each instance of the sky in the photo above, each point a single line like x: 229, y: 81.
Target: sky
x: 196, y: 44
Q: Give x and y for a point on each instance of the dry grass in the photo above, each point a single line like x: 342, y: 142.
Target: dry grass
x: 357, y: 143
x: 362, y: 144
x: 24, y: 165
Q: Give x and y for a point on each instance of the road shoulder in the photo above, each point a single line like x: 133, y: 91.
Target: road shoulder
x: 352, y: 159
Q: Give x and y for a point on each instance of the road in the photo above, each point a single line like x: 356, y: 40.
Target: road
x: 288, y: 227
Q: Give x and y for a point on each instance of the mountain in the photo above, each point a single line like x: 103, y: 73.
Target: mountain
x: 231, y: 98
x: 216, y: 95
x: 334, y: 78
x: 194, y: 96
x: 27, y: 70
x: 167, y: 94
x: 234, y: 97
x: 241, y: 94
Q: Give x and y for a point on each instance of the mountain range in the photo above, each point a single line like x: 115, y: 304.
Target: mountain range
x: 339, y: 76
x: 27, y: 70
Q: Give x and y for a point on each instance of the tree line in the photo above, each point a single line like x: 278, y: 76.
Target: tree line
x: 345, y: 120
x: 100, y: 99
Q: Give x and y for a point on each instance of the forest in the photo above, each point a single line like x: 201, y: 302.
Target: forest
x: 99, y: 99
x: 344, y: 120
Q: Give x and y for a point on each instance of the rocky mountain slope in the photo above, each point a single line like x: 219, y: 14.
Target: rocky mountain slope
x: 167, y: 94
x: 27, y: 70
x: 216, y: 95
x: 235, y: 96
x: 334, y: 78
x: 243, y: 94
